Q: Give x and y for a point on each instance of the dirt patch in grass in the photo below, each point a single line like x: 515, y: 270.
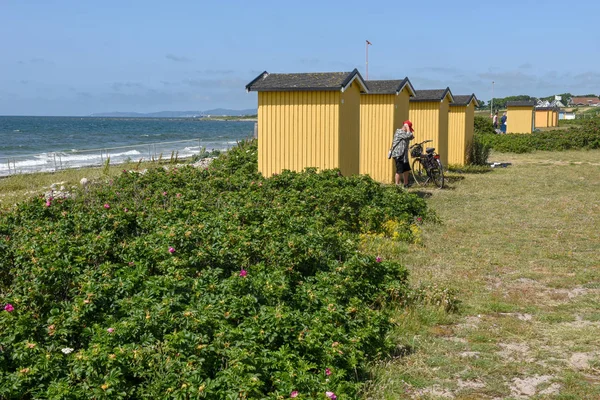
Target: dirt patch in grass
x: 523, y: 388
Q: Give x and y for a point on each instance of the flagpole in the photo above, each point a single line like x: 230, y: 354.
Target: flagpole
x: 367, y: 43
x: 367, y: 59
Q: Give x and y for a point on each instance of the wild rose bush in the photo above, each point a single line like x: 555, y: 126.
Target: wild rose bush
x: 189, y: 283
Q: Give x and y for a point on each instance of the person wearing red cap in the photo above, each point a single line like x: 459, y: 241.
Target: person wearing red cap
x: 400, y: 151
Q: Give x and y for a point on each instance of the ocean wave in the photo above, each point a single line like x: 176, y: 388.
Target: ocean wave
x: 75, y: 158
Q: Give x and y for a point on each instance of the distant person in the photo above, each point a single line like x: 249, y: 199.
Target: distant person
x: 503, y: 123
x: 495, y: 120
x: 400, y: 151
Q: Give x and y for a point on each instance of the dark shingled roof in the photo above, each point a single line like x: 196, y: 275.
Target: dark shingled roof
x: 312, y: 81
x: 389, y: 86
x: 522, y: 103
x: 432, y: 95
x: 463, y: 100
x: 546, y: 109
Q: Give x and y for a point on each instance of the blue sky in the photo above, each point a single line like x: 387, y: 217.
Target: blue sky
x: 80, y: 57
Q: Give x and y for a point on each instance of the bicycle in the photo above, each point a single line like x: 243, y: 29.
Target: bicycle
x: 426, y: 167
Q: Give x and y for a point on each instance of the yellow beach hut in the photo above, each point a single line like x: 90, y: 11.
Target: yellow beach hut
x: 544, y: 117
x: 308, y: 120
x: 429, y: 114
x: 555, y: 117
x: 382, y: 111
x: 461, y: 125
x: 520, y: 116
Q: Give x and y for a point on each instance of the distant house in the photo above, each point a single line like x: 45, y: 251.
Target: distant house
x: 542, y: 103
x: 383, y: 110
x: 461, y: 126
x: 308, y: 120
x: 520, y: 116
x: 429, y: 111
x: 584, y: 101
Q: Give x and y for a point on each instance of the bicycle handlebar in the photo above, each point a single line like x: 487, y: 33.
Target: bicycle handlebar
x: 417, y: 144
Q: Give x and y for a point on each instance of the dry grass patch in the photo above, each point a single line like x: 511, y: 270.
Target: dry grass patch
x: 520, y: 246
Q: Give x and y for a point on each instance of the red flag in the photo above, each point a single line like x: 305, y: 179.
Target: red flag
x: 369, y: 42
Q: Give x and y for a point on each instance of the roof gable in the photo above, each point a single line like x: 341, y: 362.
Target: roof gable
x: 433, y: 95
x: 312, y: 81
x: 465, y: 100
x: 390, y: 86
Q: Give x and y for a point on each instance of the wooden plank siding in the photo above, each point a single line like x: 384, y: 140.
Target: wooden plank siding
x: 348, y: 144
x: 430, y: 121
x: 461, y: 121
x: 298, y: 130
x: 380, y: 116
x: 519, y: 119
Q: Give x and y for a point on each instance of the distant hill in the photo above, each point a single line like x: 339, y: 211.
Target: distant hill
x: 180, y: 114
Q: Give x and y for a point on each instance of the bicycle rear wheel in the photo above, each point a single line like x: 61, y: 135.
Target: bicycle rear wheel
x: 437, y: 173
x: 418, y: 172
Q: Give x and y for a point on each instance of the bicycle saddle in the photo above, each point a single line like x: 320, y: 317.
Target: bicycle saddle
x: 430, y: 150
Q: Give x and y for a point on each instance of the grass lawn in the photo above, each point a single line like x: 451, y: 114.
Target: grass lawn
x: 521, y: 245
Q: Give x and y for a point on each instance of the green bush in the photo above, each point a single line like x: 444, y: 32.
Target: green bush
x: 478, y: 152
x: 583, y: 136
x: 187, y: 283
x: 483, y: 125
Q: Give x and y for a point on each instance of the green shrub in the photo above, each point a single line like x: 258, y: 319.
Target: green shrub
x: 584, y: 136
x: 188, y: 283
x: 483, y: 125
x: 478, y: 152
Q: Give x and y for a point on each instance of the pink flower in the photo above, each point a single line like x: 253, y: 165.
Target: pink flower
x: 48, y: 203
x: 327, y: 371
x: 419, y: 219
x: 294, y: 394
x: 171, y: 250
x: 9, y: 308
x: 110, y: 330
x: 243, y: 273
x: 331, y: 395
x: 164, y: 193
x: 178, y: 194
x: 378, y: 259
x: 126, y: 209
x: 107, y: 206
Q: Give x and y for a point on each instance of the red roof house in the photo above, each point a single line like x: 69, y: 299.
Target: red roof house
x: 585, y: 101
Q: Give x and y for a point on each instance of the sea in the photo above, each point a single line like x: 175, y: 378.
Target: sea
x: 46, y: 144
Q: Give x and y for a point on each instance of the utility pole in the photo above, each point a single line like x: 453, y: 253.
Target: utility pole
x: 492, y: 98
